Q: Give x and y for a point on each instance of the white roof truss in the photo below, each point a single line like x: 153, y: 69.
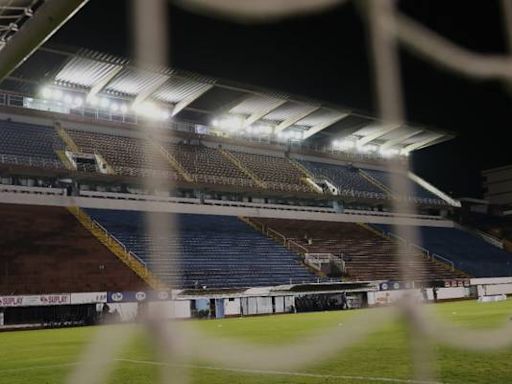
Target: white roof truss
x: 149, y: 90
x: 103, y: 82
x: 255, y: 116
x: 391, y: 143
x: 419, y: 144
x: 320, y: 127
x: 308, y: 110
x: 377, y: 133
x: 190, y: 99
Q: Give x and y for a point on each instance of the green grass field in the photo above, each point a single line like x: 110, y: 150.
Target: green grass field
x: 48, y: 356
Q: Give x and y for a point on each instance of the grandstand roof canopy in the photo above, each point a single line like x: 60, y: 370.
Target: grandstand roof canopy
x: 203, y: 99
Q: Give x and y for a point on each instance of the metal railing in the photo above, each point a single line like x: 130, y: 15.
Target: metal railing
x: 291, y: 243
x: 423, y: 250
x: 444, y: 260
x: 33, y: 190
x: 271, y: 231
x: 30, y: 161
x: 222, y: 180
x: 115, y: 240
x: 12, y: 99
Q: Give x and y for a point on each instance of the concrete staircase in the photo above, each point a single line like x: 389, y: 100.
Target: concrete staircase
x: 232, y: 158
x: 118, y: 249
x: 174, y: 163
x: 309, y: 178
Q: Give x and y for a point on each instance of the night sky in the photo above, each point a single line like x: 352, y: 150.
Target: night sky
x: 325, y: 57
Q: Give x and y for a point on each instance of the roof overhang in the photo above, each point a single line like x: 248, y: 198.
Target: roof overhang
x: 100, y: 75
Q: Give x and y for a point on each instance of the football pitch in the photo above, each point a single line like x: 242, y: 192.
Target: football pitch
x: 48, y: 356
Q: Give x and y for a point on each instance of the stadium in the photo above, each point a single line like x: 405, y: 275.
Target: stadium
x: 163, y: 225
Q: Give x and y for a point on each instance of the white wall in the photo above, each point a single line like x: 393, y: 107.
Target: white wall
x: 128, y: 311
x: 279, y: 301
x: 232, y: 308
x: 264, y: 305
x: 498, y: 289
x: 88, y: 202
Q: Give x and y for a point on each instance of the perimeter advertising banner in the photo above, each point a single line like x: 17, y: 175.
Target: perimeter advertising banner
x: 137, y: 297
x: 35, y: 300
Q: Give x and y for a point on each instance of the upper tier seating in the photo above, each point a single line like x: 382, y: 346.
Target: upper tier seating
x: 128, y: 156
x: 347, y: 179
x: 46, y: 250
x: 418, y: 193
x: 29, y: 144
x: 212, y: 251
x: 469, y: 253
x: 208, y: 165
x: 367, y: 255
x: 278, y: 173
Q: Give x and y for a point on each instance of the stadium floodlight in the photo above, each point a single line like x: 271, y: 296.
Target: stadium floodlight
x: 46, y: 92
x: 347, y: 144
x: 215, y: 123
x: 295, y: 135
x: 289, y: 135
x: 388, y: 152
x: 124, y: 108
x: 265, y: 129
x: 93, y: 100
x: 231, y: 124
x: 104, y: 102
x: 404, y: 152
x: 57, y: 94
x: 367, y: 148
x: 68, y: 99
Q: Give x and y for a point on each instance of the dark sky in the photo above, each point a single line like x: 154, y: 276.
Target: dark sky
x: 325, y: 56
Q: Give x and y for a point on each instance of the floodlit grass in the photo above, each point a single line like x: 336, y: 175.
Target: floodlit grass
x: 48, y: 356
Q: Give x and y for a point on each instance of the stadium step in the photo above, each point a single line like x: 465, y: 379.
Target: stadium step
x: 64, y: 159
x: 116, y: 248
x: 173, y: 161
x: 308, y: 176
x: 232, y: 158
x: 70, y: 144
x: 376, y: 182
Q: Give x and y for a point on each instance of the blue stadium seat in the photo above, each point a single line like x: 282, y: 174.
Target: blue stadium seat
x: 347, y: 179
x: 469, y: 253
x: 215, y: 251
x: 418, y: 193
x: 29, y: 144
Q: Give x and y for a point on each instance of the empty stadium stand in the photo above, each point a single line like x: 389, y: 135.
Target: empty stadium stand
x: 278, y: 173
x: 29, y: 145
x: 418, y: 193
x: 208, y: 165
x: 469, y: 253
x: 128, y: 156
x: 211, y: 251
x: 367, y: 255
x: 46, y: 250
x: 347, y: 179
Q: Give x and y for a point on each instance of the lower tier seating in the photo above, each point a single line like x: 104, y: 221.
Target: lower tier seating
x: 46, y: 250
x: 469, y: 253
x: 367, y: 255
x: 206, y: 250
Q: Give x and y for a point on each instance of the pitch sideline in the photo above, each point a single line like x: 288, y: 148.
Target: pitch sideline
x: 287, y: 373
